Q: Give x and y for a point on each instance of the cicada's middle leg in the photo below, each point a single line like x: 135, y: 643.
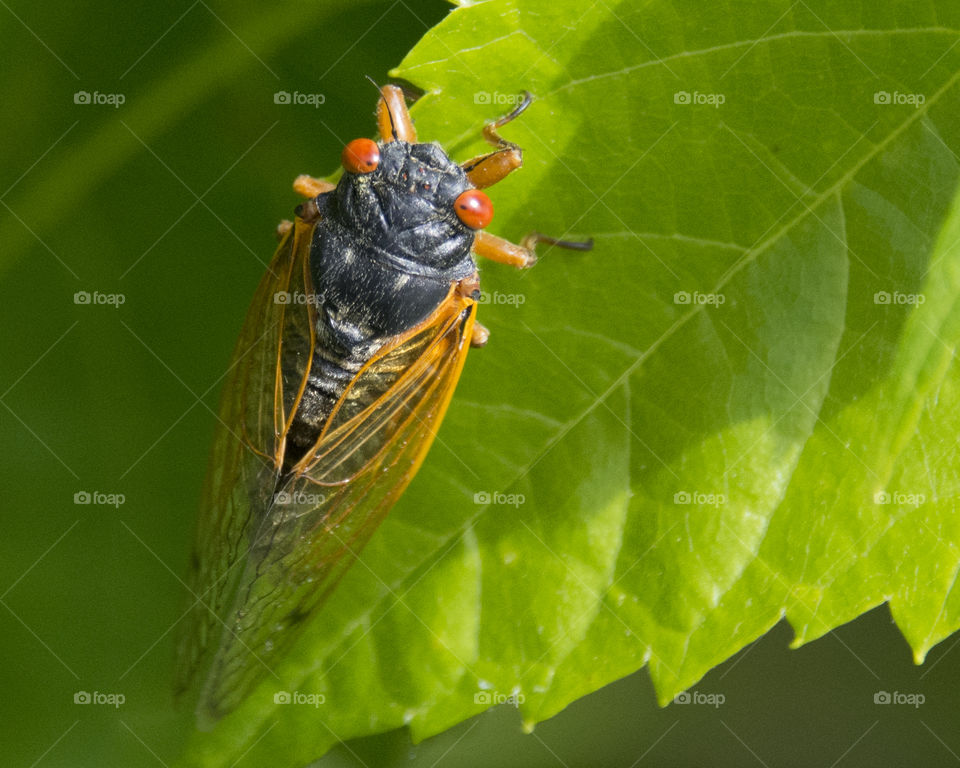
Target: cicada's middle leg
x: 310, y: 187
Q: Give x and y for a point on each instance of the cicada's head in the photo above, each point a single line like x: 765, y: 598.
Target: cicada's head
x: 412, y: 203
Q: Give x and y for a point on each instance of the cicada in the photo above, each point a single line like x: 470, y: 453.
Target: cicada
x: 345, y: 365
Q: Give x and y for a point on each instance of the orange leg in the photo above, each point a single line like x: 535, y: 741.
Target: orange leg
x: 486, y: 170
x: 520, y: 256
x: 523, y: 255
x: 531, y: 239
x: 481, y: 335
x: 309, y: 187
x: 470, y: 286
x: 283, y: 227
x: 503, y: 251
x: 393, y: 119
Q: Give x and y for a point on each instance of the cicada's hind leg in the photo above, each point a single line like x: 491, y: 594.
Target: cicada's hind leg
x: 470, y: 287
x: 481, y: 335
x: 283, y: 228
x: 487, y: 170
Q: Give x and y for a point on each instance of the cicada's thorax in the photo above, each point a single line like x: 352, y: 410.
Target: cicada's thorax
x: 386, y: 250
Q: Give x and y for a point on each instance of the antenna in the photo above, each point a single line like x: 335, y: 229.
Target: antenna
x: 393, y: 126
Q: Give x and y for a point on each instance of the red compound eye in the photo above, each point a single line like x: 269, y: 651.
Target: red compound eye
x: 474, y: 208
x: 361, y: 156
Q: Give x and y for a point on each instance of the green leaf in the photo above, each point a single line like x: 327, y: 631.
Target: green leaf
x: 741, y: 405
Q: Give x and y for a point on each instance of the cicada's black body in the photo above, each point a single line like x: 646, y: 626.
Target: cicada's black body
x: 385, y: 251
x: 346, y: 363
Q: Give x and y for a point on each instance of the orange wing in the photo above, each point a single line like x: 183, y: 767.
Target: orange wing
x: 278, y: 546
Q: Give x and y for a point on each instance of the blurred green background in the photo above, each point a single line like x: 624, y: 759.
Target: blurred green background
x: 169, y: 201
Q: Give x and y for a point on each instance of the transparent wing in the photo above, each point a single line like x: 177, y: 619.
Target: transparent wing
x: 248, y: 447
x: 334, y: 499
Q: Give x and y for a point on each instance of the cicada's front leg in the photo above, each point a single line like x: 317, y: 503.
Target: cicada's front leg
x: 283, y: 228
x: 486, y: 170
x: 309, y: 187
x: 393, y: 120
